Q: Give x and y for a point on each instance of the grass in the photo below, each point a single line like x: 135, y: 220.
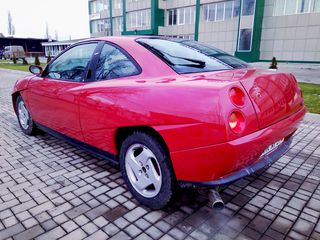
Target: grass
x: 6, y: 64
x: 311, y: 95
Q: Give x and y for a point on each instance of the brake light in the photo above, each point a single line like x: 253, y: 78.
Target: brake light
x: 237, y: 96
x: 237, y: 122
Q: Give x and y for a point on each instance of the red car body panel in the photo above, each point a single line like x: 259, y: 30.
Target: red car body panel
x: 55, y: 104
x: 190, y: 111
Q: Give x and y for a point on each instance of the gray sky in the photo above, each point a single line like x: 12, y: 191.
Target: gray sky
x: 67, y: 17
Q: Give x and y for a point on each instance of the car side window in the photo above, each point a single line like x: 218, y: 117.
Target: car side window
x: 72, y: 64
x: 113, y: 63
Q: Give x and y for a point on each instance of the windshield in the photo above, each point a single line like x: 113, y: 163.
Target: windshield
x: 186, y: 56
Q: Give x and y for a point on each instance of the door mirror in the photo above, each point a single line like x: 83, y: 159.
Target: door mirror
x: 35, y: 69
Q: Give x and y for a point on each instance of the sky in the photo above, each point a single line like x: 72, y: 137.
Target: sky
x: 67, y: 17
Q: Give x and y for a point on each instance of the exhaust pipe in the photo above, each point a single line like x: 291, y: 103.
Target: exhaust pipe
x: 215, y: 200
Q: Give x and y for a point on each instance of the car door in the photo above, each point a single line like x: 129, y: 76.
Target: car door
x: 98, y: 102
x: 53, y: 96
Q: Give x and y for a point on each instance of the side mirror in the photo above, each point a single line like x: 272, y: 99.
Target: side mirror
x: 35, y: 69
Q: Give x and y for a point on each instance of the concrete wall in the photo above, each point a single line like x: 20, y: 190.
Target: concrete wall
x: 291, y: 37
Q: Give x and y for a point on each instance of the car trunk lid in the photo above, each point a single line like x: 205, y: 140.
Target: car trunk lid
x: 274, y: 95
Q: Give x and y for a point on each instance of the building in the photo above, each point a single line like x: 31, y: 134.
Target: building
x: 53, y: 48
x: 254, y: 30
x: 31, y: 46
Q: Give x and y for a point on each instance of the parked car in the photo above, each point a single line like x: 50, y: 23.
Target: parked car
x: 170, y: 112
x: 14, y: 51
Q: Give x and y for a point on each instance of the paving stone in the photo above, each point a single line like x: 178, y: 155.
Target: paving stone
x: 132, y: 231
x: 30, y: 233
x: 154, y: 232
x: 260, y: 224
x: 55, y: 233
x: 99, y: 235
x: 69, y: 226
x: 76, y: 234
x: 303, y: 227
x: 10, y: 231
x: 111, y: 229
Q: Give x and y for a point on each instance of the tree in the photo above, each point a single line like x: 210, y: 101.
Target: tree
x: 11, y: 28
x: 36, y: 60
x: 273, y: 63
x: 14, y: 59
x: 47, y: 36
x: 56, y: 35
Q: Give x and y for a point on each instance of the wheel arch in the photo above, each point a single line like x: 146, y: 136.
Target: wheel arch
x: 14, y: 97
x: 123, y: 132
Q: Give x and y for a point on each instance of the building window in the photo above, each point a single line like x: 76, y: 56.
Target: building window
x: 248, y: 7
x: 117, y: 4
x: 172, y: 17
x: 316, y: 6
x: 245, y: 39
x: 98, y: 6
x: 101, y: 25
x: 220, y: 11
x: 117, y: 24
x: 138, y: 19
x: 303, y: 6
x: 228, y: 10
x: 290, y: 7
x: 181, y: 16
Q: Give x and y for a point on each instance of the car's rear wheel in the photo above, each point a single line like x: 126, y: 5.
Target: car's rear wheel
x: 24, y: 118
x: 147, y: 170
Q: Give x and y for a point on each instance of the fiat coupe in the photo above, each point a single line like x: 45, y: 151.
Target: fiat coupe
x: 170, y: 112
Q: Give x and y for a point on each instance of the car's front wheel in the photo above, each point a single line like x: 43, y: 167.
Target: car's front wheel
x: 147, y: 170
x: 24, y: 118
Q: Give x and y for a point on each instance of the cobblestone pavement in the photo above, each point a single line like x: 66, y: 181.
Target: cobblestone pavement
x: 51, y: 190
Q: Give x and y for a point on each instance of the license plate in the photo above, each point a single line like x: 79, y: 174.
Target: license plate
x: 272, y: 147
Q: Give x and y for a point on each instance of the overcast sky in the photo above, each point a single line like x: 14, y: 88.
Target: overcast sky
x: 67, y: 17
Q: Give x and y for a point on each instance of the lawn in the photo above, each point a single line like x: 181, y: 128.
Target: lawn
x: 311, y: 95
x: 19, y: 66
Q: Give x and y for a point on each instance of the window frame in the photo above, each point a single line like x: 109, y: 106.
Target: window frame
x: 44, y: 74
x: 94, y: 63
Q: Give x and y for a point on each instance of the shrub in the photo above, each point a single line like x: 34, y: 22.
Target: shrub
x: 273, y: 64
x: 36, y: 60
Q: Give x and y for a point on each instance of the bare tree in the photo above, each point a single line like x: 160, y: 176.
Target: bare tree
x: 47, y: 36
x: 11, y: 28
x: 56, y: 35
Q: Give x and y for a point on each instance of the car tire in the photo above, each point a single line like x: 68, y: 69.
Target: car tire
x: 24, y: 118
x: 146, y: 168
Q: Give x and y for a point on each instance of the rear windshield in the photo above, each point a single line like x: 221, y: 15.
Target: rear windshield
x: 186, y: 56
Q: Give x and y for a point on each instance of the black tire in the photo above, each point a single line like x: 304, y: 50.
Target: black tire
x: 165, y: 194
x: 29, y: 128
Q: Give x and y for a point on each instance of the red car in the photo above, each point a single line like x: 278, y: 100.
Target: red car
x: 170, y: 112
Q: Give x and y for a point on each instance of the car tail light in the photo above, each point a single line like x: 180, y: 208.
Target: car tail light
x: 237, y: 96
x: 237, y: 122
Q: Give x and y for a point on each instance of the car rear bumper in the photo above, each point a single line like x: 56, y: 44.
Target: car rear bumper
x: 226, y: 162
